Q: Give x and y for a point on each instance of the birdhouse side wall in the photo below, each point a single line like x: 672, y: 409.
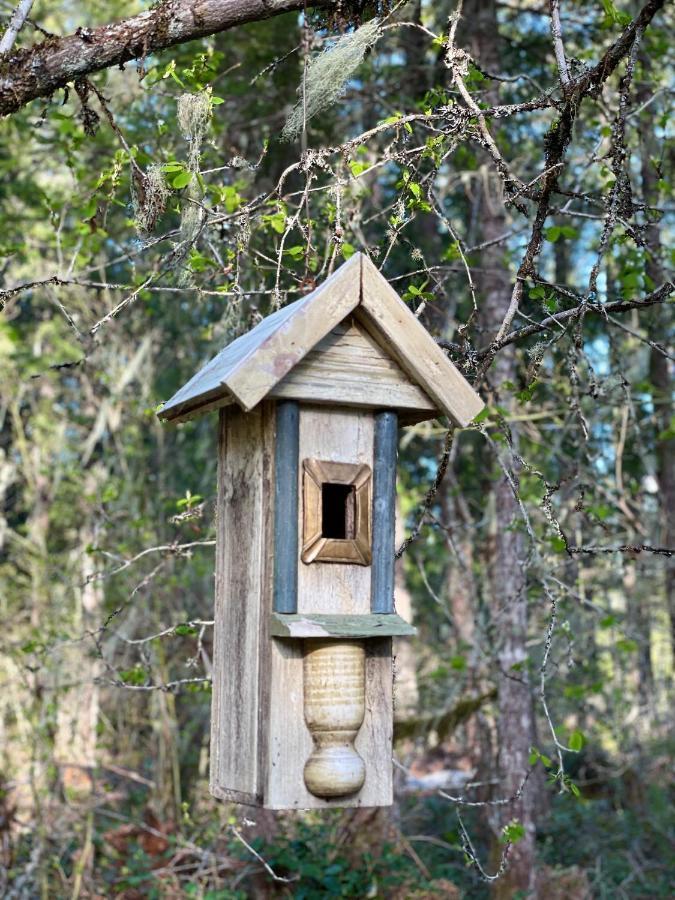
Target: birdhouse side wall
x: 244, y: 560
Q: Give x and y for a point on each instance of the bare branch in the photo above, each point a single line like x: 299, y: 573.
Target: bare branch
x: 660, y: 295
x: 558, y: 46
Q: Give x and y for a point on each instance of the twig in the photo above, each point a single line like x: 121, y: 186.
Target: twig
x: 19, y: 16
x: 268, y: 868
x: 558, y: 46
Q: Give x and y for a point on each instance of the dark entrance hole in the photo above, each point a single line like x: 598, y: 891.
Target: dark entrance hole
x: 337, y: 511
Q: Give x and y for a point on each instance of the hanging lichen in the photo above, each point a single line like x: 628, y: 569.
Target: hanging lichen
x: 190, y: 223
x: 327, y: 75
x: 149, y: 194
x: 194, y: 113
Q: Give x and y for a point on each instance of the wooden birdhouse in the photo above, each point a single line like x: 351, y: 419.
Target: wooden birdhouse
x: 310, y: 403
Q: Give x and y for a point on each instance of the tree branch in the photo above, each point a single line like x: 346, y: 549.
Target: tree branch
x: 660, y: 295
x: 37, y: 72
x: 558, y: 46
x: 19, y: 16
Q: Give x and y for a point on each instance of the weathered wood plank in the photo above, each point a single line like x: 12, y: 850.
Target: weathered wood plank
x: 375, y: 739
x: 337, y: 626
x: 251, y: 365
x: 342, y: 436
x: 286, y: 507
x: 210, y: 402
x: 349, y: 368
x: 243, y: 600
x: 397, y: 330
x: 384, y: 512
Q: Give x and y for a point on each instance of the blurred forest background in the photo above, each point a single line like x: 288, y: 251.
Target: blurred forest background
x: 507, y: 165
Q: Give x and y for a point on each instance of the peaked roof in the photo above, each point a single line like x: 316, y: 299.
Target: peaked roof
x: 249, y: 368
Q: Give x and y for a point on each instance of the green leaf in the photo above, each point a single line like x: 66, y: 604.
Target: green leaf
x: 358, y: 167
x: 525, y: 395
x: 452, y: 253
x: 184, y: 630
x: 613, y: 16
x: 181, y: 180
x: 347, y: 250
x: 576, y: 741
x: 231, y: 197
x: 136, y: 676
x: 513, y: 832
x: 276, y: 221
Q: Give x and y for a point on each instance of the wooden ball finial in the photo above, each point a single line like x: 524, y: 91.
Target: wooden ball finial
x: 334, y: 686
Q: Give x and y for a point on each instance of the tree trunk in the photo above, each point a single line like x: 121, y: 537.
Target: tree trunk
x: 78, y: 708
x: 509, y: 594
x: 659, y: 368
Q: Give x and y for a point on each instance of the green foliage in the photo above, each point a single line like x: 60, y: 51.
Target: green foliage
x: 512, y: 832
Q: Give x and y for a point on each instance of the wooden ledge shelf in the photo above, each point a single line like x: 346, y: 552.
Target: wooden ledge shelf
x: 311, y: 625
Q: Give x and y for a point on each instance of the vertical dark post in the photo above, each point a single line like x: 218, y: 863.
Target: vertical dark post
x: 286, y: 507
x: 384, y: 512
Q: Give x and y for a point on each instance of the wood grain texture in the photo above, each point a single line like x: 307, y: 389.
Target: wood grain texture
x: 348, y: 367
x: 249, y: 367
x: 291, y: 743
x: 217, y: 399
x: 342, y: 436
x: 396, y: 329
x: 375, y: 738
x: 352, y: 342
x: 327, y: 626
x: 243, y: 601
x: 316, y: 547
x: 334, y: 704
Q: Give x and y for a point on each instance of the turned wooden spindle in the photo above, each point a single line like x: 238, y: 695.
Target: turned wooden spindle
x: 334, y: 688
